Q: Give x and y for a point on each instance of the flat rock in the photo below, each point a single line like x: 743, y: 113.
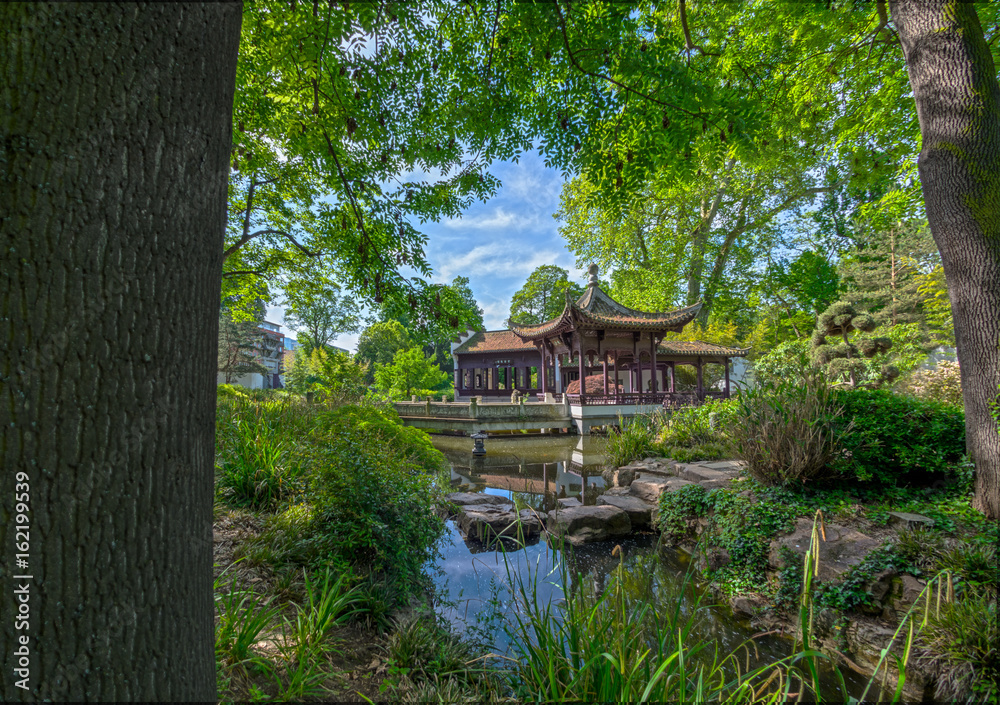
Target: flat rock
x: 726, y: 465
x: 664, y: 467
x: 906, y: 520
x: 842, y: 549
x: 580, y: 525
x: 567, y: 502
x: 475, y: 498
x: 488, y: 523
x: 649, y: 489
x: 703, y: 473
x: 639, y: 512
x: 618, y: 492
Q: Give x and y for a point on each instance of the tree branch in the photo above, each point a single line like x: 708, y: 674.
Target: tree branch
x: 689, y: 45
x: 593, y: 74
x: 250, y: 236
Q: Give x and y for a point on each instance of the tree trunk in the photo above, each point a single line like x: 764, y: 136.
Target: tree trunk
x: 115, y: 126
x: 958, y: 103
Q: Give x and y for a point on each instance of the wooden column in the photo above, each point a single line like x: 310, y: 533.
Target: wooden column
x: 727, y: 378
x: 701, y: 392
x: 583, y: 375
x: 652, y: 363
x: 542, y: 373
x: 605, y: 363
x: 673, y: 377
x: 616, y: 375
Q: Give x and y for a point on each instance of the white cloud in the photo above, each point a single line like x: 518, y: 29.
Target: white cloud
x: 500, y: 219
x: 499, y: 258
x: 495, y: 313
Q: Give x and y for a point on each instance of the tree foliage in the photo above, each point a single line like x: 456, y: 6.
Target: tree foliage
x: 543, y: 295
x: 379, y: 343
x: 333, y: 374
x: 353, y: 124
x: 410, y: 372
x: 845, y: 360
x: 314, y: 305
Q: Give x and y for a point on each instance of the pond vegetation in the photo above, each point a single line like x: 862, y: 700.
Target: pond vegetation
x: 324, y: 589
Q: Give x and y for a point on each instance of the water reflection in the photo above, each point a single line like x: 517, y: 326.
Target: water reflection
x: 534, y: 472
x: 477, y: 583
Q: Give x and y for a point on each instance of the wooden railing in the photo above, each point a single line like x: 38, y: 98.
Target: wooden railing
x: 669, y: 400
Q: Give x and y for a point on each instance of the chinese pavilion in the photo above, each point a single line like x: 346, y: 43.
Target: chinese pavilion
x: 619, y: 352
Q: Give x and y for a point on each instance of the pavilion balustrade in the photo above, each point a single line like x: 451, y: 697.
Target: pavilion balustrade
x: 667, y: 399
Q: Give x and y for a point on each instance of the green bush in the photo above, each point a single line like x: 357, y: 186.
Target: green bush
x: 959, y: 644
x: 894, y: 435
x: 789, y: 429
x: 633, y: 439
x: 253, y: 445
x: 370, y: 487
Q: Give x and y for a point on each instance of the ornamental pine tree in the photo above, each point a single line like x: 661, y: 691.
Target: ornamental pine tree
x: 846, y: 360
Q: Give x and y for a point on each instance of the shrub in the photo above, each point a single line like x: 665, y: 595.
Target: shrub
x: 788, y: 359
x: 370, y: 486
x: 960, y: 645
x: 941, y: 384
x: 790, y: 429
x: 252, y: 447
x: 632, y: 439
x: 893, y: 435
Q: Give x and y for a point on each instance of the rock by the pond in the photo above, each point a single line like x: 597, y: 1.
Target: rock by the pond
x: 717, y: 558
x: 465, y: 499
x: 744, y: 605
x: 488, y: 523
x: 649, y: 489
x: 906, y: 520
x: 640, y: 513
x: 580, y: 525
x: 618, y: 492
x: 663, y: 467
x: 842, y: 549
x: 567, y: 502
x: 620, y: 477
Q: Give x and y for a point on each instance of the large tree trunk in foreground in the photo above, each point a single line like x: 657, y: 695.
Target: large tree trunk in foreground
x: 114, y: 141
x: 955, y: 87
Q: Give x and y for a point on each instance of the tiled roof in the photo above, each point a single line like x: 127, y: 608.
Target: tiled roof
x: 494, y: 341
x: 596, y: 308
x: 697, y: 347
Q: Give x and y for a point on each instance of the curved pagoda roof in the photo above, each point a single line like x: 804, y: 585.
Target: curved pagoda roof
x: 595, y: 309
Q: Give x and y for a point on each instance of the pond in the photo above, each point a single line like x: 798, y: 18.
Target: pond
x: 474, y: 581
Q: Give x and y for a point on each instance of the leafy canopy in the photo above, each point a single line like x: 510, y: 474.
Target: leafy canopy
x: 410, y: 372
x: 543, y: 295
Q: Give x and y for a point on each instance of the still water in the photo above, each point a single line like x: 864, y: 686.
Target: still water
x: 476, y: 582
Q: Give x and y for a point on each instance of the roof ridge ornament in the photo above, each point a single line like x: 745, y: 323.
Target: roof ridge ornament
x: 593, y: 270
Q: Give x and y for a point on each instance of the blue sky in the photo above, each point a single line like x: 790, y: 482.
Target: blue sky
x: 497, y: 243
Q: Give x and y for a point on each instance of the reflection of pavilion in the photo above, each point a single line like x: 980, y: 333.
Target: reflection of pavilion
x: 563, y: 472
x: 619, y: 351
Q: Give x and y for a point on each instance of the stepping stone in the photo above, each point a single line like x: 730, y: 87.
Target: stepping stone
x: 639, y: 512
x: 580, y: 525
x: 649, y: 489
x: 906, y: 520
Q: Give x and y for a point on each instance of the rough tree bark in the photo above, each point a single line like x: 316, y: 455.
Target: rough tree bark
x: 955, y: 87
x: 114, y: 144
